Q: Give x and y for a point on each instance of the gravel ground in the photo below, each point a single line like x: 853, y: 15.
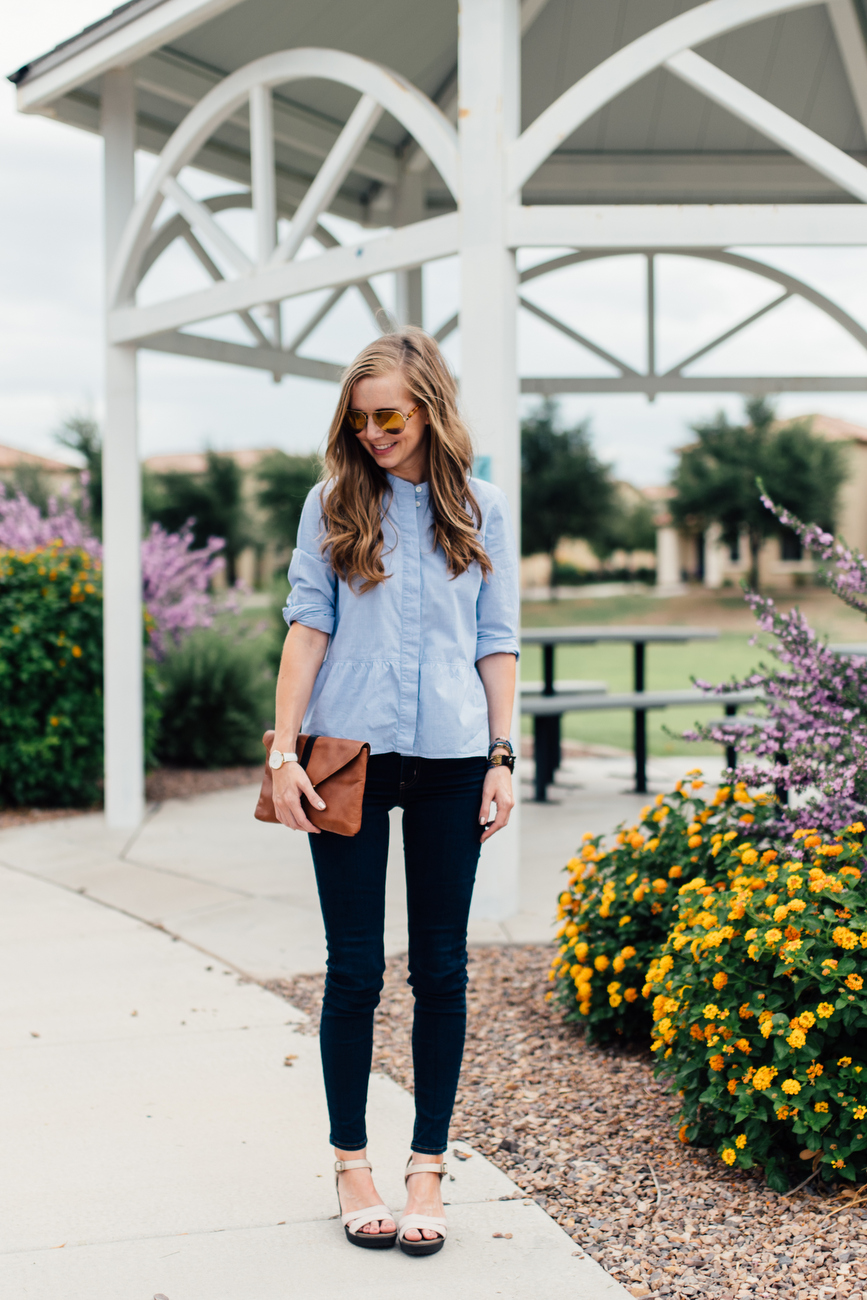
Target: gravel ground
x: 587, y: 1132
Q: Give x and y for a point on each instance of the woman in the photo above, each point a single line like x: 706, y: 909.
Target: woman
x: 405, y: 573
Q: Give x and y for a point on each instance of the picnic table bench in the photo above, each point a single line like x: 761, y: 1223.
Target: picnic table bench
x: 547, y: 708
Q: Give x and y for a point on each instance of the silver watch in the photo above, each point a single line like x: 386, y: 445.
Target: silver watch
x: 277, y: 759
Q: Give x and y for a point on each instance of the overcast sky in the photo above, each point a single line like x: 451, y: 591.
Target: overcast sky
x: 50, y: 323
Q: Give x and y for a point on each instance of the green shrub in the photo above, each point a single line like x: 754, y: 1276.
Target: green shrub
x: 50, y: 677
x: 621, y: 902
x: 216, y: 699
x: 760, y: 1010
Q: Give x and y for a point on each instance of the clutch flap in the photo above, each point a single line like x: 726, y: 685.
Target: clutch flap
x: 327, y: 755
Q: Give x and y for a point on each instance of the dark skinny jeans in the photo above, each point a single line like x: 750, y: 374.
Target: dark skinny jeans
x: 441, y: 799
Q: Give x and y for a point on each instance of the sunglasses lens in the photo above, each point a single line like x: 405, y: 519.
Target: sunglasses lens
x: 356, y: 420
x: 390, y: 420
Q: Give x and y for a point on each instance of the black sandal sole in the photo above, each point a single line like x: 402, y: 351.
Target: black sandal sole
x: 422, y: 1247
x: 370, y: 1240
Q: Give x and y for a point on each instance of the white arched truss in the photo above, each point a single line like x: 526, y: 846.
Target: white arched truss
x: 669, y: 46
x: 673, y: 380
x: 275, y: 274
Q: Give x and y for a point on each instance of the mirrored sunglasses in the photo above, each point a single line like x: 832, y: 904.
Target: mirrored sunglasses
x: 392, y: 421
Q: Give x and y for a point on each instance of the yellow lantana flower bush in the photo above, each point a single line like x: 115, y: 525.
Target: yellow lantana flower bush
x: 759, y: 1007
x: 622, y: 901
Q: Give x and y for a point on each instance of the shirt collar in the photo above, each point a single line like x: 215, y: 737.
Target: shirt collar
x: 402, y: 487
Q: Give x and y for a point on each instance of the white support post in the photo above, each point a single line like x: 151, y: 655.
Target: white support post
x: 489, y: 49
x: 121, y: 493
x: 409, y: 290
x: 668, y: 579
x: 264, y: 188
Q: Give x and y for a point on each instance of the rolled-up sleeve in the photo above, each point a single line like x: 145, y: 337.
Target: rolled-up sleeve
x: 312, y: 600
x: 498, y: 606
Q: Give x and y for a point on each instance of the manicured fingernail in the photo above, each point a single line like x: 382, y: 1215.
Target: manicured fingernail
x: 321, y: 804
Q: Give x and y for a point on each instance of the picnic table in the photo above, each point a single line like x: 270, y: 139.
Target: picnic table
x: 547, y: 708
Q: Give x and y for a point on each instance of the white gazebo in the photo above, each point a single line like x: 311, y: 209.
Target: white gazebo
x: 630, y: 126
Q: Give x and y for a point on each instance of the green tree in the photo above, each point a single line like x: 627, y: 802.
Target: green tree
x: 81, y: 434
x: 284, y: 483
x: 213, y: 500
x: 628, y: 527
x: 716, y: 480
x: 566, y: 491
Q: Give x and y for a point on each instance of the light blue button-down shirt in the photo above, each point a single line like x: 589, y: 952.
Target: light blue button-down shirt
x: 400, y: 671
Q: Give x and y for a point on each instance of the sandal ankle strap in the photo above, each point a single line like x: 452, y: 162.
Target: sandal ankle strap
x: 340, y: 1165
x: 412, y: 1168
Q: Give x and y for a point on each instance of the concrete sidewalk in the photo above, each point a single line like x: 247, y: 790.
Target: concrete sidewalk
x: 156, y: 1144
x: 155, y: 1141
x: 244, y: 891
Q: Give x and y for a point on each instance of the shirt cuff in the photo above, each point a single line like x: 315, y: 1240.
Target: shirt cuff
x: 321, y: 620
x: 496, y: 645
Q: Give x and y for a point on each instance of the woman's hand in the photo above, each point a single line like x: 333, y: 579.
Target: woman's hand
x: 497, y: 789
x: 290, y: 782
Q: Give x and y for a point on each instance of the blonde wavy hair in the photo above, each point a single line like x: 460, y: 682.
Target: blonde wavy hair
x: 353, y: 505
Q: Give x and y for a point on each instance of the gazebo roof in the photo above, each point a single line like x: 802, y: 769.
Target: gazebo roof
x: 659, y: 142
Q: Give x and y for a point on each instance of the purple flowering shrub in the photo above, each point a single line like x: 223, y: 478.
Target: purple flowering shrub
x: 813, y: 741
x: 176, y: 578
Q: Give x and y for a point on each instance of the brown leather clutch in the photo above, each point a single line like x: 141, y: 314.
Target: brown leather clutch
x: 337, y: 768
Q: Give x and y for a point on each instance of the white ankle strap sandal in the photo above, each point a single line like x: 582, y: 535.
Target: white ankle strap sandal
x: 419, y: 1221
x: 354, y: 1220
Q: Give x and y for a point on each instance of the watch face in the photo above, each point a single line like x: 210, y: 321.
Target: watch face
x: 275, y: 760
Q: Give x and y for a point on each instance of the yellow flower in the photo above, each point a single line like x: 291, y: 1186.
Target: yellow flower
x: 624, y: 920
x: 749, y: 857
x: 675, y: 873
x: 76, y: 652
x: 764, y: 1077
x: 630, y: 994
x: 601, y: 962
x: 859, y: 1112
x: 751, y: 934
x: 627, y: 952
x: 790, y: 1086
x: 773, y: 936
x: 845, y: 938
x: 745, y: 1012
x: 694, y: 841
x: 743, y: 1045
x: 824, y: 1010
x: 806, y: 1020
x: 584, y: 1008
x: 729, y: 1155
x: 797, y: 1038
x: 741, y: 1141
x: 845, y: 1060
x: 720, y: 980
x: 780, y: 913
x: 711, y: 1011
x: 821, y: 1107
x: 660, y: 886
x: 717, y: 1062
x: 782, y: 1112
x: 618, y: 964
x: 615, y: 999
